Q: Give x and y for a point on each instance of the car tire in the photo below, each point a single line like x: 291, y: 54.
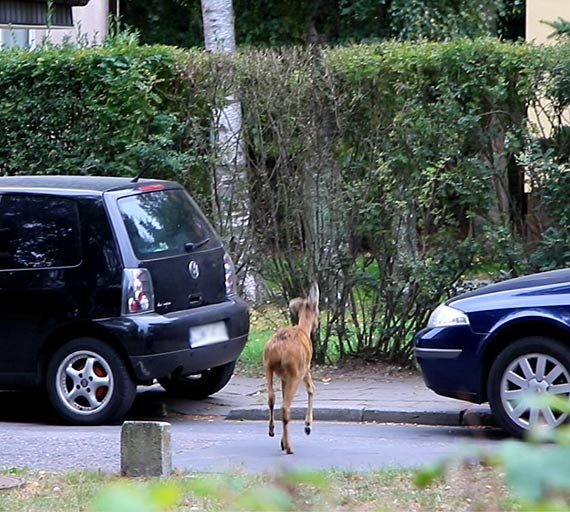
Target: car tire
x: 201, y: 385
x: 530, y: 366
x: 88, y: 383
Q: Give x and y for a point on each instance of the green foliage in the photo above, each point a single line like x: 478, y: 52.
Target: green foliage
x: 439, y: 20
x: 537, y: 470
x: 234, y: 492
x: 57, y: 97
x: 419, y: 128
x: 127, y: 496
x: 417, y: 180
x: 561, y: 27
x: 103, y: 111
x: 548, y: 172
x: 533, y: 471
x: 271, y: 23
x: 170, y: 22
x: 389, y: 172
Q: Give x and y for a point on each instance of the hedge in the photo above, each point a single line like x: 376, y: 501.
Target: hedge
x: 390, y: 172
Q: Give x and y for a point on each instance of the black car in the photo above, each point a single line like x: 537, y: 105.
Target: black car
x: 110, y: 283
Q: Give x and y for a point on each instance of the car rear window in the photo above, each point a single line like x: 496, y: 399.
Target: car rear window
x: 164, y: 223
x: 38, y: 232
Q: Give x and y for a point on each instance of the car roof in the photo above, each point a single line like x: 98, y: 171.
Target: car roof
x: 80, y: 184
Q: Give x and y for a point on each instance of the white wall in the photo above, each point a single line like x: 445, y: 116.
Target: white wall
x: 537, y: 32
x: 538, y: 11
x: 91, y: 24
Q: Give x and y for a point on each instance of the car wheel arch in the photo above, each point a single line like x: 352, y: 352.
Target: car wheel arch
x: 68, y: 332
x: 511, y: 333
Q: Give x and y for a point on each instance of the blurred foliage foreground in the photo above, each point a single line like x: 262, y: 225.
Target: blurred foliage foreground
x: 536, y: 471
x: 468, y: 487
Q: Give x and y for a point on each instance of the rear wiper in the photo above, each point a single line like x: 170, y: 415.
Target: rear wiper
x: 192, y: 246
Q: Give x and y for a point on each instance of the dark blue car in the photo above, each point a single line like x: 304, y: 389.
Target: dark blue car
x: 507, y: 344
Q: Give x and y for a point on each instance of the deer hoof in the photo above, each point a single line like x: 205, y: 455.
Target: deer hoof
x: 307, y: 429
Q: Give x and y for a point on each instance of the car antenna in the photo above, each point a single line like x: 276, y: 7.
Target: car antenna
x: 138, y: 176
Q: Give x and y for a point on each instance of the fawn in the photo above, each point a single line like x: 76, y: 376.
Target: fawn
x: 288, y: 354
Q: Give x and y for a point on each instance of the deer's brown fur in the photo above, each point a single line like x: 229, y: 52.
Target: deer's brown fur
x: 288, y: 355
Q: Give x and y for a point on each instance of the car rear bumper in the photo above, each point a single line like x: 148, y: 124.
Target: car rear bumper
x: 186, y: 361
x: 158, y: 345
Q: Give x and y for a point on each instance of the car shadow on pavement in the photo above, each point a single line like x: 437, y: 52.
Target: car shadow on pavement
x: 34, y: 407
x: 477, y: 433
x: 26, y: 407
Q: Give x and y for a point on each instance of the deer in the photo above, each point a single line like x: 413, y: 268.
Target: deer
x: 288, y: 355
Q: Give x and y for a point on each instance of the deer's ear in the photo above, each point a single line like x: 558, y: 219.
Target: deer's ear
x: 295, y: 306
x: 314, y: 294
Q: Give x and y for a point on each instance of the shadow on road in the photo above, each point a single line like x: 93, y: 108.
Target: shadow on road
x: 470, y: 433
x: 34, y: 407
x: 25, y: 407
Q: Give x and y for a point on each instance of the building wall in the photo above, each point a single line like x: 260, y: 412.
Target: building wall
x: 538, y: 11
x: 537, y: 32
x: 91, y: 25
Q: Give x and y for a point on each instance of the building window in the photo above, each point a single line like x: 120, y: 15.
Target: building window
x: 10, y: 37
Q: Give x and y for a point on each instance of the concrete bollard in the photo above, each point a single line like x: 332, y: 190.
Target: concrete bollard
x: 145, y: 448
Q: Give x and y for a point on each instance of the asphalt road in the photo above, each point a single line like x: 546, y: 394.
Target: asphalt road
x: 219, y: 445
x: 211, y: 445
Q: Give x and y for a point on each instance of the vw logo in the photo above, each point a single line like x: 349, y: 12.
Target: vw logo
x: 194, y: 269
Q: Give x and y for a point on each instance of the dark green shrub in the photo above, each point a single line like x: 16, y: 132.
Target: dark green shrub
x: 109, y: 110
x: 388, y: 172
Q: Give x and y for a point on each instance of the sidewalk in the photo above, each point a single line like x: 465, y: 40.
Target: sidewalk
x: 360, y: 397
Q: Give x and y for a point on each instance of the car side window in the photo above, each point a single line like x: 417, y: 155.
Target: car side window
x: 38, y: 232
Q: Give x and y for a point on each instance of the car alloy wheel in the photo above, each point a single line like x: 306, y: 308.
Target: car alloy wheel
x: 527, y: 377
x: 521, y: 380
x: 84, y: 382
x: 88, y: 382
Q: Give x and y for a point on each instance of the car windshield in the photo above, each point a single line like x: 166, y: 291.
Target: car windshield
x: 164, y: 223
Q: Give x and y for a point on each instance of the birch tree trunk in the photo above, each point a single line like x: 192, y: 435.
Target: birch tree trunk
x: 219, y: 26
x: 231, y: 202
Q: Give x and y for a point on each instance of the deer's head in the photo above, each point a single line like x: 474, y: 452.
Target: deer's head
x: 307, y: 309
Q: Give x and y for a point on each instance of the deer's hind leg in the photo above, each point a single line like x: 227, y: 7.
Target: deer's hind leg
x: 270, y: 401
x: 289, y: 388
x: 308, y: 380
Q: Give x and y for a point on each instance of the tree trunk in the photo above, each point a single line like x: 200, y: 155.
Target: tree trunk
x: 219, y: 26
x: 231, y: 202
x: 495, y: 158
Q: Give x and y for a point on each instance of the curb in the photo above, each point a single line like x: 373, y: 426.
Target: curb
x: 465, y: 417
x: 9, y: 482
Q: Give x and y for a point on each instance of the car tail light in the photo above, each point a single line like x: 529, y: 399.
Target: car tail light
x: 138, y: 294
x: 230, y: 275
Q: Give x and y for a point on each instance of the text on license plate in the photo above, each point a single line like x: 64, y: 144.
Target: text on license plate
x: 208, y: 334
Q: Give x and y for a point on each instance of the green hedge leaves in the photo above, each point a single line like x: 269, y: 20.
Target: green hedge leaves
x: 390, y: 172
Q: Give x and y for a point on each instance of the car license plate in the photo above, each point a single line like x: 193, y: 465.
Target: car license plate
x: 208, y: 334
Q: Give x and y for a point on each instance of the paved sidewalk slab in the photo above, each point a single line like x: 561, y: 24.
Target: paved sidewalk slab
x: 361, y: 397
x: 9, y: 482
